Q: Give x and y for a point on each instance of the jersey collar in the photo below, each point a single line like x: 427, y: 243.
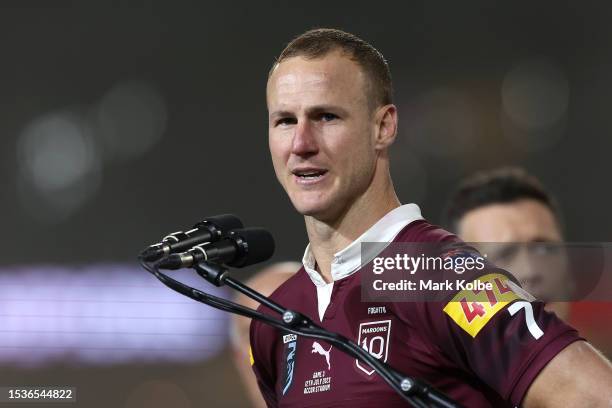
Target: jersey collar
x: 348, y: 261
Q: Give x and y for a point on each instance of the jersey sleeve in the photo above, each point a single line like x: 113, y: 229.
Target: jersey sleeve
x: 262, y: 360
x: 499, y: 335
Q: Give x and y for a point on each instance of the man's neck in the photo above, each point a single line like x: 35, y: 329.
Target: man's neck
x: 328, y: 238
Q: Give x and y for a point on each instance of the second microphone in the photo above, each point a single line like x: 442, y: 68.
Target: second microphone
x: 241, y: 247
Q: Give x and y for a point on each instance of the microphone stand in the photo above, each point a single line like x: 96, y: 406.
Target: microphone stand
x: 417, y: 392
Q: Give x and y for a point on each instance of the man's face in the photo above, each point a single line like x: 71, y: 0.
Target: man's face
x: 539, y: 267
x: 321, y: 133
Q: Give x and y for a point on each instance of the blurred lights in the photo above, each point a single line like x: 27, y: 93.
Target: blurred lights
x: 57, y: 151
x: 129, y: 119
x: 59, y: 165
x: 104, y: 314
x: 61, y: 154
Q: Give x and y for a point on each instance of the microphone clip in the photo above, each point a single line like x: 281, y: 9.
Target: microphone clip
x: 212, y: 272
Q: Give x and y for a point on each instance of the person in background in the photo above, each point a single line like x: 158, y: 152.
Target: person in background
x: 265, y: 282
x: 508, y: 205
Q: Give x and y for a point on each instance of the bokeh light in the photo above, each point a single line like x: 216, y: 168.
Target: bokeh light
x: 61, y: 154
x: 59, y: 165
x: 129, y: 119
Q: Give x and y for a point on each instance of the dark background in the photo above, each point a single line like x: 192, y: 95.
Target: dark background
x: 478, y: 85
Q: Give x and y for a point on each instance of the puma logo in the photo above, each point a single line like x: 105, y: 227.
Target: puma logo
x: 317, y: 348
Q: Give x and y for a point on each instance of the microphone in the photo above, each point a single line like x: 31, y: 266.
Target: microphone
x: 209, y: 230
x: 241, y: 247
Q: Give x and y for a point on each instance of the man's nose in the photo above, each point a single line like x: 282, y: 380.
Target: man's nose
x: 522, y: 264
x: 304, y: 140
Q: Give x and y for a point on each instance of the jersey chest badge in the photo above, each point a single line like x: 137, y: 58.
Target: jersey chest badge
x: 374, y: 338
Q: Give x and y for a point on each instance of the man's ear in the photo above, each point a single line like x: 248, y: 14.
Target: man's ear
x: 386, y: 126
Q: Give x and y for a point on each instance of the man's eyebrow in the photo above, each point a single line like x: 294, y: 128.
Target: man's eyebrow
x: 313, y: 110
x: 280, y: 114
x: 326, y: 108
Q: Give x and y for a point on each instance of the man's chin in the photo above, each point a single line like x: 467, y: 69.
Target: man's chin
x: 315, y: 210
x: 309, y: 211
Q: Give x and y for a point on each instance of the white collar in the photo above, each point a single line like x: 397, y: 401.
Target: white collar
x: 347, y: 261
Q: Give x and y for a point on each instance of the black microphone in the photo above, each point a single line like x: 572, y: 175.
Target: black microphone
x: 241, y: 247
x: 209, y: 230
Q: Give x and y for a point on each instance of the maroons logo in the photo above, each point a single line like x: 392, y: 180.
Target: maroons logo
x: 374, y: 338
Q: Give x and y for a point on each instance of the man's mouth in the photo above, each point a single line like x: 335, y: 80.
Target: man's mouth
x: 309, y: 174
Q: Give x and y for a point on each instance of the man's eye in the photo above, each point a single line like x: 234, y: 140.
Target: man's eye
x: 328, y: 117
x: 286, y: 121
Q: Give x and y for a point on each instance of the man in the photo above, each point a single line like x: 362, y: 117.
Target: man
x: 509, y: 206
x: 513, y: 213
x: 264, y: 282
x: 331, y: 122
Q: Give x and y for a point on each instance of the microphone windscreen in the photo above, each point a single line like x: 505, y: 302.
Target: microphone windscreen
x: 259, y: 246
x: 224, y: 222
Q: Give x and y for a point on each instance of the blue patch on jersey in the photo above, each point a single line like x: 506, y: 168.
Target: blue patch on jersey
x: 289, y: 354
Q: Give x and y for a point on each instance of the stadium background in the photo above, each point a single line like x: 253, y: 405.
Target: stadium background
x: 121, y: 123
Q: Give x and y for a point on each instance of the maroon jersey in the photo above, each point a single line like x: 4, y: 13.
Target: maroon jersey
x: 479, y: 354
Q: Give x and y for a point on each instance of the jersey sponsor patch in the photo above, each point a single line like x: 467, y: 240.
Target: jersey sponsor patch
x: 472, y: 309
